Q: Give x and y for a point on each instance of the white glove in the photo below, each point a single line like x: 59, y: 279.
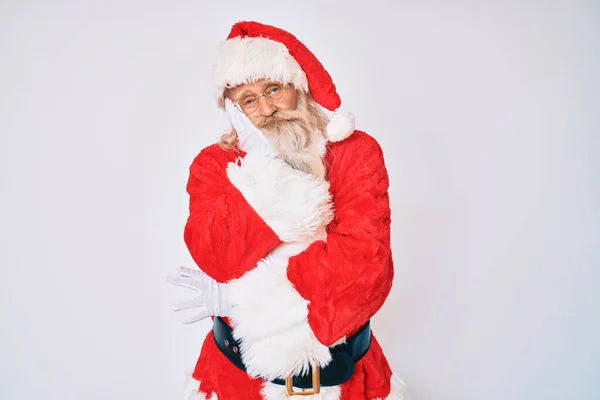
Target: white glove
x: 211, y: 299
x: 251, y: 138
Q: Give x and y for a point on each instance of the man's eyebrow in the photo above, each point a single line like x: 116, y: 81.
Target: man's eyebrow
x: 269, y: 83
x: 244, y: 93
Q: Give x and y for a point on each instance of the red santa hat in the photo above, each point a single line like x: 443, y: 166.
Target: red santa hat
x: 255, y: 51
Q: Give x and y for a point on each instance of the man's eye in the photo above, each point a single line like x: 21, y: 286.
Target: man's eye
x: 274, y: 89
x: 248, y: 102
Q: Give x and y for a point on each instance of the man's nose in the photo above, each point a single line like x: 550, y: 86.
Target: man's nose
x: 265, y: 107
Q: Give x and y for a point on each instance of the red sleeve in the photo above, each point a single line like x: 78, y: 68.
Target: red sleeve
x: 223, y: 233
x: 347, y: 279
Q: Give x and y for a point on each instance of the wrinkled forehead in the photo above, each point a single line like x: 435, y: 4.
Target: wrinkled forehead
x: 258, y: 86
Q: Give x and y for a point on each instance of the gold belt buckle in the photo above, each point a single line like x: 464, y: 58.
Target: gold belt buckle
x: 316, y: 385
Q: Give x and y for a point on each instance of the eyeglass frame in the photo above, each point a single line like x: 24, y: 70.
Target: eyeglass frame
x: 237, y: 105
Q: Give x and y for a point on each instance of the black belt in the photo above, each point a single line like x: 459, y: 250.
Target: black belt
x: 338, y: 371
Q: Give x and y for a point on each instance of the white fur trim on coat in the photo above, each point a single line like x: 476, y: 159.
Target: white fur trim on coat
x: 271, y: 391
x: 247, y: 59
x: 270, y: 319
x: 192, y: 391
x: 293, y: 203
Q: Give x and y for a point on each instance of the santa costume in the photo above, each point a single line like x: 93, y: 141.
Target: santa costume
x: 306, y: 262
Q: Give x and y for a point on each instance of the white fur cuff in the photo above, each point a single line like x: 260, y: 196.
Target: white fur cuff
x: 270, y: 319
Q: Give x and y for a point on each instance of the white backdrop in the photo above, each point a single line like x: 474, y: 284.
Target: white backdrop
x: 488, y: 114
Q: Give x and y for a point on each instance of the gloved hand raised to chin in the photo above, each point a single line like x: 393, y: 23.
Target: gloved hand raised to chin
x: 251, y: 138
x: 212, y: 300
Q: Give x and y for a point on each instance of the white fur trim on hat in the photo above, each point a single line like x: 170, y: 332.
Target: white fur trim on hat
x: 340, y: 126
x: 243, y: 60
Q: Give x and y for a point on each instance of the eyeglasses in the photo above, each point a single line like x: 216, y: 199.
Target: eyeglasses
x: 275, y: 93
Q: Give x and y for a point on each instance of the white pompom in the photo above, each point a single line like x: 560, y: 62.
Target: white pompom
x: 340, y: 127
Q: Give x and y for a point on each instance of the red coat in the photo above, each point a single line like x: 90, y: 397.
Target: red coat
x: 307, y: 263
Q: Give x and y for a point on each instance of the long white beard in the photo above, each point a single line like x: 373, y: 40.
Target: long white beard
x: 301, y: 150
x: 297, y: 135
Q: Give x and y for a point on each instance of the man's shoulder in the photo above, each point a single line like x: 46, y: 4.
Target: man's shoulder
x: 215, y: 153
x: 213, y: 158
